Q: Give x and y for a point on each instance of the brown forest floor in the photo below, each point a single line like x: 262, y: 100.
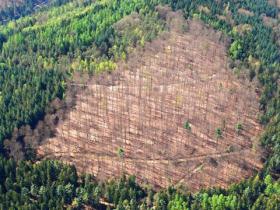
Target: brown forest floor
x: 142, y: 107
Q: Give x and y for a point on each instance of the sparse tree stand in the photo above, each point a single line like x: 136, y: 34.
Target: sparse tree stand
x: 154, y: 107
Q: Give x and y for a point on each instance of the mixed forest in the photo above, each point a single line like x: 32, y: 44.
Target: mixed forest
x: 42, y: 50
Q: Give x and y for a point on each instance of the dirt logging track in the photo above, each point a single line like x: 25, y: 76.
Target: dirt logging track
x: 133, y: 120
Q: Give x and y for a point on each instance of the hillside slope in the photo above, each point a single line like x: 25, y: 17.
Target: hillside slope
x: 44, y: 52
x: 143, y: 105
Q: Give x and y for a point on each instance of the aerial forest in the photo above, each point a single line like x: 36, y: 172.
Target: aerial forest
x: 43, y: 49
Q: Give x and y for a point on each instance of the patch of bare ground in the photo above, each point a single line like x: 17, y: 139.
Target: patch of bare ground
x: 133, y: 120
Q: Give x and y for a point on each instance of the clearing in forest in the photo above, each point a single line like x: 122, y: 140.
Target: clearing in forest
x: 172, y: 114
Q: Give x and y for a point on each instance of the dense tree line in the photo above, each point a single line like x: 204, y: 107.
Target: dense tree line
x: 52, y: 185
x: 39, y: 53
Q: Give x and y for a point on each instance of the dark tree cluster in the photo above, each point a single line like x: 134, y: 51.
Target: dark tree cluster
x: 52, y: 185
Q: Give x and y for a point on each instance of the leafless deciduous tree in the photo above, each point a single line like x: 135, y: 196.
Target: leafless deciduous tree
x: 143, y: 108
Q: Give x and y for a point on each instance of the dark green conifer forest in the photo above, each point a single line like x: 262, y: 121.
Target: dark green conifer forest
x: 41, y: 50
